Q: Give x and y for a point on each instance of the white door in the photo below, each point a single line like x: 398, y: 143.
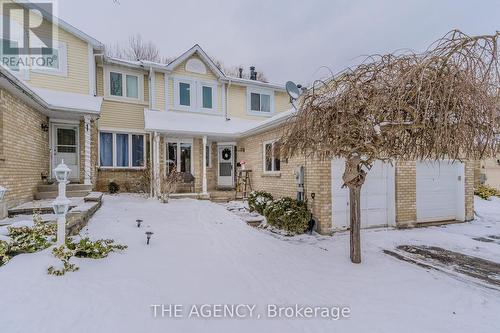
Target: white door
x: 377, y: 197
x: 440, y: 191
x: 65, y: 147
x: 226, y: 166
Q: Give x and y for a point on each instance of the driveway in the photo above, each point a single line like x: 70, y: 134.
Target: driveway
x: 202, y: 254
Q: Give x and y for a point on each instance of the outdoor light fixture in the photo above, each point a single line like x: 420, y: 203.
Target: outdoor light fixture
x: 61, y: 172
x: 44, y: 127
x: 60, y: 206
x: 2, y: 192
x: 148, y: 235
x: 138, y: 223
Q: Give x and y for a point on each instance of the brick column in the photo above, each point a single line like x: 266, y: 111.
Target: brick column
x: 406, y: 193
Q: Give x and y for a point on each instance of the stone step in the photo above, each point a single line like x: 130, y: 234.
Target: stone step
x: 69, y: 187
x: 53, y: 194
x: 93, y: 197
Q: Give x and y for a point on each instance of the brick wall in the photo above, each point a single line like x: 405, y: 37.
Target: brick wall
x: 406, y: 193
x: 317, y: 176
x: 25, y: 149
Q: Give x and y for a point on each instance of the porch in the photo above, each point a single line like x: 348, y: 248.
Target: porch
x: 202, y: 148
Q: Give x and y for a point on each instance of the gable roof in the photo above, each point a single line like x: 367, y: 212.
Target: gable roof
x: 63, y: 24
x: 196, y: 49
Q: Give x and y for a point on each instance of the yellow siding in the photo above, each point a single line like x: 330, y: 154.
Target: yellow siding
x: 77, y: 79
x: 117, y: 114
x: 146, y: 89
x: 122, y: 115
x: 160, y: 91
x: 281, y: 101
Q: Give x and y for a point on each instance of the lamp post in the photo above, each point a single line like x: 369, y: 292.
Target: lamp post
x: 61, y: 203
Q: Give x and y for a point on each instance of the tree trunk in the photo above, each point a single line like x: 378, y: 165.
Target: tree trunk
x: 355, y: 223
x: 354, y: 178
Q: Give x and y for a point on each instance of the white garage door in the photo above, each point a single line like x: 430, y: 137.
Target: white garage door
x: 440, y: 191
x: 377, y: 197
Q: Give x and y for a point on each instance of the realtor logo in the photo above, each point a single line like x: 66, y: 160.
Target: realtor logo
x: 35, y: 22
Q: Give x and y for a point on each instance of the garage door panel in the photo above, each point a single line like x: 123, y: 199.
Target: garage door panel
x: 437, y: 190
x: 374, y: 196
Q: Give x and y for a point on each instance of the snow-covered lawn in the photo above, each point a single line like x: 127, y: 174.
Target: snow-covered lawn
x: 201, y: 253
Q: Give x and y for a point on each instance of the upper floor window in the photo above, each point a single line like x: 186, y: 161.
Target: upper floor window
x: 52, y: 61
x: 184, y: 94
x: 124, y: 84
x: 194, y: 95
x: 9, y: 60
x: 260, y: 102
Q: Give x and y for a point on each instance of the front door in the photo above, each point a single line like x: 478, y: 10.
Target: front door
x: 65, y: 147
x: 226, y: 166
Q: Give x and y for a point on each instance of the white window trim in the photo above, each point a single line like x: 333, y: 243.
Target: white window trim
x: 212, y: 85
x: 114, y: 150
x: 196, y: 95
x: 62, y: 49
x: 124, y: 73
x: 264, y: 91
x: 178, y: 141
x: 269, y: 172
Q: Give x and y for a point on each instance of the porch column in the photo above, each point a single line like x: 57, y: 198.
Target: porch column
x: 204, y: 165
x: 156, y: 164
x: 86, y: 165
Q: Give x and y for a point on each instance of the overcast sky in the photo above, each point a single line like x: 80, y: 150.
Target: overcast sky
x: 287, y: 40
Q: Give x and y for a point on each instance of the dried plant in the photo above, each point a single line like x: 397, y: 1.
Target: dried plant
x: 442, y: 103
x: 169, y: 184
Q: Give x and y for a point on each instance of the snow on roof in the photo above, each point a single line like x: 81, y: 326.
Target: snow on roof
x: 178, y: 122
x: 193, y: 123
x: 69, y: 101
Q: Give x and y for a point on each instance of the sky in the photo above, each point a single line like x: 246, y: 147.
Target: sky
x: 286, y: 40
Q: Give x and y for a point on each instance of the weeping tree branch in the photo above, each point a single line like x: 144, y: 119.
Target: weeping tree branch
x: 442, y: 103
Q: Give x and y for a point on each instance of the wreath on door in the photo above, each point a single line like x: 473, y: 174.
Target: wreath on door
x: 226, y: 154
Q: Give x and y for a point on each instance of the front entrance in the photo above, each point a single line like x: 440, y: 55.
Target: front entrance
x: 65, y: 147
x: 226, y: 166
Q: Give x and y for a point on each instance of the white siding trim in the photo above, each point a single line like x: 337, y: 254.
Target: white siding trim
x: 92, y: 71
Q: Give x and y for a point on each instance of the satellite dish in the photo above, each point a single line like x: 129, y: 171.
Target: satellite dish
x: 292, y: 90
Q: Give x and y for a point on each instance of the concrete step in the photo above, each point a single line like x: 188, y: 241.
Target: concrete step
x: 53, y: 194
x: 93, y: 197
x: 69, y: 187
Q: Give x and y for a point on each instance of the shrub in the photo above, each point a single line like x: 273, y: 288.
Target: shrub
x: 288, y: 214
x: 258, y: 201
x: 85, y: 248
x: 4, y: 249
x: 113, y: 187
x: 485, y: 192
x: 32, y: 239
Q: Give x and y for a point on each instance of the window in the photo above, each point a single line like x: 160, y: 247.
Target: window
x: 179, y: 155
x: 115, y: 84
x: 260, y: 101
x: 207, y: 97
x: 132, y: 86
x: 52, y: 61
x: 10, y: 60
x: 272, y: 162
x: 184, y: 94
x: 125, y: 84
x: 121, y: 150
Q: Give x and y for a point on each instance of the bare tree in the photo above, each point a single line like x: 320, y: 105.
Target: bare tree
x: 234, y: 71
x: 442, y: 103
x: 137, y: 49
x: 169, y: 184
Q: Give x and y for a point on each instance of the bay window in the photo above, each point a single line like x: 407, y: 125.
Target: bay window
x: 272, y: 162
x: 121, y: 150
